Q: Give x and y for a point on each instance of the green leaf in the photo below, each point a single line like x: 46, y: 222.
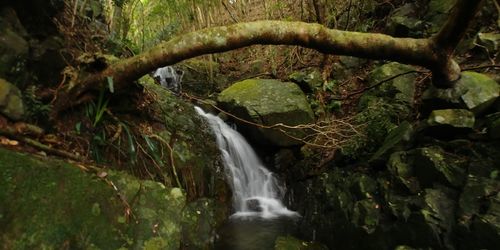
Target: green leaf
x: 110, y: 84
x: 78, y: 127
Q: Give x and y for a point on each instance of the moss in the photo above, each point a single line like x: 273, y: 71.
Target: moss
x: 268, y: 102
x: 53, y: 204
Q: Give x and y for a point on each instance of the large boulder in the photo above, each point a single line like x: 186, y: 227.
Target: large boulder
x: 52, y: 204
x: 268, y: 102
x: 11, y: 102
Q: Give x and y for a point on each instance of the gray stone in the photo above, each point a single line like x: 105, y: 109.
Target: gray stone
x: 269, y: 102
x: 458, y: 118
x: 11, y: 102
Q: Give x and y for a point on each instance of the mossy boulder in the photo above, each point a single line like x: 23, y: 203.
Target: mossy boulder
x: 11, y: 102
x: 458, y: 118
x: 401, y: 88
x: 52, y: 204
x: 474, y: 91
x: 268, y: 102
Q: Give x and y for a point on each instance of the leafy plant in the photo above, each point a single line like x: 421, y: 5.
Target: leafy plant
x: 95, y: 111
x: 36, y: 110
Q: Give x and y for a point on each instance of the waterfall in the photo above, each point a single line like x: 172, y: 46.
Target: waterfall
x: 256, y: 191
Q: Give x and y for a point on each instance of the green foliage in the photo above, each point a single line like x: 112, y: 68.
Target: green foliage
x: 95, y: 111
x: 36, y: 110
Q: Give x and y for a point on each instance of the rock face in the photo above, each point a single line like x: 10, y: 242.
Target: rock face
x: 11, y: 103
x: 52, y: 204
x: 268, y: 102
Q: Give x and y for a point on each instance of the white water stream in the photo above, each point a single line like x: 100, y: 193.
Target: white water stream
x: 255, y: 190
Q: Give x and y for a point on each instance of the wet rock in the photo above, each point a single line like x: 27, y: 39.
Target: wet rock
x: 474, y: 91
x: 254, y: 205
x: 401, y: 88
x: 457, y: 118
x: 397, y: 138
x: 292, y: 243
x: 268, y: 102
x: 434, y: 165
x: 11, y: 103
x: 65, y: 207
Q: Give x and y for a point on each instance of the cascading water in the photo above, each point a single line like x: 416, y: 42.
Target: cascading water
x: 255, y: 190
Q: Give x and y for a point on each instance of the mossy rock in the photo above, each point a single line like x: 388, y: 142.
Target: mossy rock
x: 11, y: 102
x: 268, y: 102
x: 401, y: 88
x: 397, y: 137
x: 199, y: 221
x: 474, y: 91
x: 437, y: 13
x: 434, y: 165
x: 458, y: 118
x: 53, y: 204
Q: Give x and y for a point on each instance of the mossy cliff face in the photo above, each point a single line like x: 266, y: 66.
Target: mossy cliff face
x: 53, y: 204
x: 268, y: 102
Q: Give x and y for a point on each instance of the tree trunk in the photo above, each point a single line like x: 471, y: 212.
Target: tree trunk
x: 434, y: 53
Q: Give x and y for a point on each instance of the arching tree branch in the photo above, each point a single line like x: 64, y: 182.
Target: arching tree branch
x: 433, y: 53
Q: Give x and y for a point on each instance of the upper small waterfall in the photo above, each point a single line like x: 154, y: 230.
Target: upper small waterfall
x: 256, y: 191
